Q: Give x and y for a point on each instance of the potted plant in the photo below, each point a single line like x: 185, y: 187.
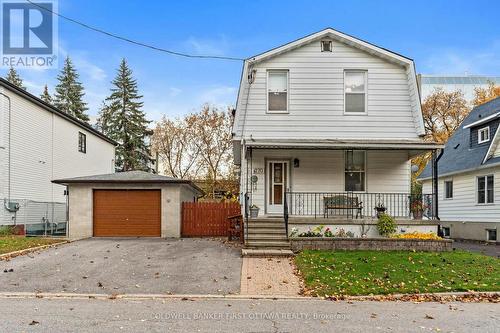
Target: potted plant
x: 380, y: 208
x: 417, y: 209
x: 254, y: 211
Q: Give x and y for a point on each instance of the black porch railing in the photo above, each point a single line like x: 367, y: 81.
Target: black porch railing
x: 357, y: 205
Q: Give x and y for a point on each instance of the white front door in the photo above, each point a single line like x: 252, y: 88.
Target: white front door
x: 278, y: 179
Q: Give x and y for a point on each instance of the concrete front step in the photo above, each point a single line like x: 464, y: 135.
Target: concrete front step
x: 266, y: 253
x: 267, y: 231
x: 266, y: 237
x: 267, y: 244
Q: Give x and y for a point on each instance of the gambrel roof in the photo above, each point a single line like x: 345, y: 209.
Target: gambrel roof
x: 355, y: 42
x: 458, y: 155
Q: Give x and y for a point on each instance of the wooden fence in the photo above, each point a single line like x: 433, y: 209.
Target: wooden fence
x: 207, y: 219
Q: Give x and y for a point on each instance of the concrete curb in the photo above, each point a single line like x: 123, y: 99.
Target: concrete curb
x: 394, y: 297
x: 18, y: 253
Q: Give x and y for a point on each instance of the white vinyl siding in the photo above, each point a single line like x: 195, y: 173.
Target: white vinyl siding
x: 316, y: 97
x: 44, y: 148
x: 464, y: 206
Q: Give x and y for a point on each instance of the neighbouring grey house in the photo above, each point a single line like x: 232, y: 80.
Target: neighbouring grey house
x: 127, y: 204
x: 38, y: 143
x: 324, y: 131
x: 469, y: 177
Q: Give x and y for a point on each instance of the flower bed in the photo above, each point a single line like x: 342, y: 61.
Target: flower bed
x: 417, y: 235
x: 380, y: 244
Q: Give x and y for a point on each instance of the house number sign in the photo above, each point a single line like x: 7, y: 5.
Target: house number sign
x: 258, y: 171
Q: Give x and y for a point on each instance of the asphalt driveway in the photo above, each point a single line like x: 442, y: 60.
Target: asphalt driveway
x: 138, y: 266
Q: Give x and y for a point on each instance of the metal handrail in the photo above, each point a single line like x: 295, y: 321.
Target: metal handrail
x: 246, y: 206
x: 357, y: 204
x: 285, y: 214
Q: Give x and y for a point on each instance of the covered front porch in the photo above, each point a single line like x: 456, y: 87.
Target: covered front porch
x: 333, y: 180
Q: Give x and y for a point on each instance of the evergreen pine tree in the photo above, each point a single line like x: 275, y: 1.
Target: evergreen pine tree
x: 14, y: 78
x: 45, y: 96
x: 122, y: 119
x: 69, y: 92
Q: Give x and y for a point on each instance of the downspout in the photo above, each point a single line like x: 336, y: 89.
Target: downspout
x: 6, y: 201
x: 435, y: 180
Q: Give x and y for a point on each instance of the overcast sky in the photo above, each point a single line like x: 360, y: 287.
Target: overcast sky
x: 443, y: 37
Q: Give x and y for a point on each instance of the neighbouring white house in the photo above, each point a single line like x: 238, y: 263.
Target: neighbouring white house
x: 324, y: 130
x: 39, y: 143
x: 469, y: 177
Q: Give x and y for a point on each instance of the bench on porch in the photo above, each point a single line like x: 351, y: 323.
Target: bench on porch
x: 343, y: 202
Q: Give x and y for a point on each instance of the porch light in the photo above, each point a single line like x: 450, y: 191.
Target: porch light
x: 296, y: 163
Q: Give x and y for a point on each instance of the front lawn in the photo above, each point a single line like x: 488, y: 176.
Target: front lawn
x: 391, y: 272
x: 16, y: 243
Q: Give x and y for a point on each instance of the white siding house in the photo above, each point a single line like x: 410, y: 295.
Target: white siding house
x: 469, y: 177
x: 328, y: 116
x: 39, y: 143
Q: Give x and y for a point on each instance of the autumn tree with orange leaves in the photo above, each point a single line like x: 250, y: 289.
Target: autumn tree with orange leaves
x: 483, y: 95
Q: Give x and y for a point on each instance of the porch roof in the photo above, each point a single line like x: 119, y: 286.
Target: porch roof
x: 415, y: 147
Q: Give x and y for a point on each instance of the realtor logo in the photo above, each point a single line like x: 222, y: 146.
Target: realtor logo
x: 29, y: 33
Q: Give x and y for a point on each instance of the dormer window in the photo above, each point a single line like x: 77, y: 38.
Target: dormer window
x: 326, y: 46
x: 483, y: 135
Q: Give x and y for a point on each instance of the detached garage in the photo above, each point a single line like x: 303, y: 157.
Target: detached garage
x: 127, y: 204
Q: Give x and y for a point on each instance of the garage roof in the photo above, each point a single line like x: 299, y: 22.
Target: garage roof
x: 127, y: 177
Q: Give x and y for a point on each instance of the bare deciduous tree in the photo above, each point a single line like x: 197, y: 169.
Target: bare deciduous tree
x: 213, y: 138
x: 174, y: 141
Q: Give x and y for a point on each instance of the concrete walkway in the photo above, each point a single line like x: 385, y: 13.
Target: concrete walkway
x: 269, y: 276
x: 488, y: 249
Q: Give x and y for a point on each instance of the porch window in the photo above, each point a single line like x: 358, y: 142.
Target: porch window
x: 277, y: 91
x: 485, y: 186
x: 355, y: 162
x: 355, y: 92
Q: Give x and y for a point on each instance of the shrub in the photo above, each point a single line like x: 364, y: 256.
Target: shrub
x: 6, y: 230
x: 386, y: 225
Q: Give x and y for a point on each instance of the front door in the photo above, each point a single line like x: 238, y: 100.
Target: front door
x: 278, y: 179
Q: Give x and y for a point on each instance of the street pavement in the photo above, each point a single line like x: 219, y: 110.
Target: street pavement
x: 243, y: 315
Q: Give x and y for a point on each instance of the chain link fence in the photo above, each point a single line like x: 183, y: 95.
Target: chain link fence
x: 39, y: 218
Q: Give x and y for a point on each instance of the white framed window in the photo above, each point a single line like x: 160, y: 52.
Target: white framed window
x: 483, y: 135
x: 355, y: 170
x: 355, y: 88
x: 277, y: 91
x: 326, y: 46
x: 491, y: 235
x: 485, y: 189
x: 446, y: 232
x: 448, y: 189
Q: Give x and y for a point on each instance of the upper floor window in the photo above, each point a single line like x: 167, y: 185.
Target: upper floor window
x: 355, y: 91
x: 485, y: 188
x: 448, y: 189
x: 355, y: 162
x: 483, y: 135
x: 82, y: 143
x: 277, y: 91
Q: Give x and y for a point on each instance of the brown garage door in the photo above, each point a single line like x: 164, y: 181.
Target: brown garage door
x: 127, y: 213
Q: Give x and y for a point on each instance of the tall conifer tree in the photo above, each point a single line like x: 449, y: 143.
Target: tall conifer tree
x: 69, y: 92
x: 14, y: 78
x: 122, y: 119
x: 45, y: 96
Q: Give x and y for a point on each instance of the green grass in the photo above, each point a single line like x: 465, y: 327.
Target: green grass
x: 390, y: 272
x: 16, y: 243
